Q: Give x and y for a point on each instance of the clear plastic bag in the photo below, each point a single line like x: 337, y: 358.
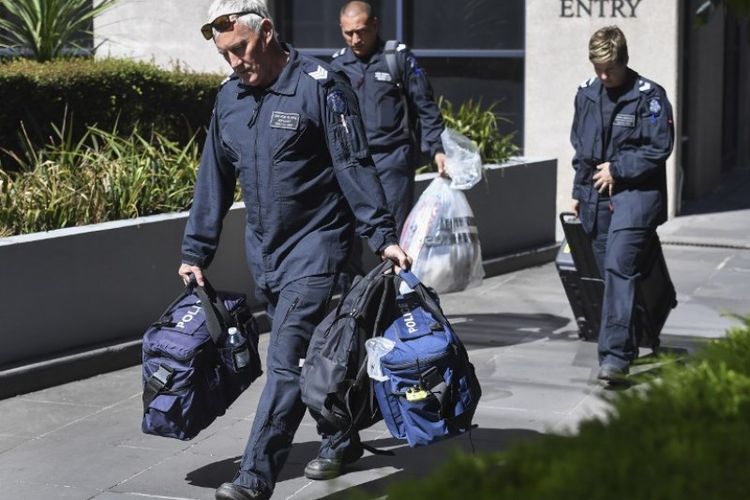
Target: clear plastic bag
x: 462, y: 160
x: 440, y: 234
x: 377, y: 347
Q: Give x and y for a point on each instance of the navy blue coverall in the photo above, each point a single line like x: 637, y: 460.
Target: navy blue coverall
x: 300, y: 153
x: 388, y: 105
x: 637, y: 142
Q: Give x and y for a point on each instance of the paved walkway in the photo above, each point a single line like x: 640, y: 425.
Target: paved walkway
x: 82, y: 440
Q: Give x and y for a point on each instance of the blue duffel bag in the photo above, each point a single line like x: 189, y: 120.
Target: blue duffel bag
x: 192, y: 369
x: 432, y: 391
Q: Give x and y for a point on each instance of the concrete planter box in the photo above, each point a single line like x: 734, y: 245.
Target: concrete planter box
x: 81, y: 295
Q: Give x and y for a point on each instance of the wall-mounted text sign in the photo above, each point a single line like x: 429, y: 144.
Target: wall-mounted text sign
x: 599, y: 8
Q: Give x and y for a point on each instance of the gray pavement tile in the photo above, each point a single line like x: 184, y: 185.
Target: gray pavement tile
x: 10, y: 441
x: 489, y: 417
x: 184, y: 475
x: 74, y: 463
x: 111, y: 495
x: 119, y: 427
x: 696, y: 319
x: 223, y: 436
x: 99, y: 391
x: 17, y: 490
x: 24, y: 417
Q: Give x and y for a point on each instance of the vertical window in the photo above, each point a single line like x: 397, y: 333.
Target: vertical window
x: 466, y: 24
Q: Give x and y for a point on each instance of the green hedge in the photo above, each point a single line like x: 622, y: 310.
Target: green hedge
x: 105, y: 176
x: 102, y: 93
x: 685, y: 435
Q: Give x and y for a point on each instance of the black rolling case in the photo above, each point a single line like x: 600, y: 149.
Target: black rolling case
x: 655, y: 295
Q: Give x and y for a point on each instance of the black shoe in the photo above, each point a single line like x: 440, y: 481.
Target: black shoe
x: 329, y: 468
x: 324, y: 468
x: 612, y: 373
x: 231, y: 491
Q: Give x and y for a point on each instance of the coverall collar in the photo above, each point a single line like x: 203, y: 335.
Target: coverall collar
x: 594, y: 91
x: 286, y: 83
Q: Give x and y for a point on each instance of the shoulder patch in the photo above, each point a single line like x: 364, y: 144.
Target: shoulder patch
x: 400, y: 47
x: 586, y: 83
x: 644, y: 86
x: 319, y: 74
x: 337, y: 102
x: 339, y: 53
x: 654, y: 106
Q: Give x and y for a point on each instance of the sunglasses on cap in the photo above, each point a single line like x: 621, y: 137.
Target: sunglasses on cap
x: 223, y: 23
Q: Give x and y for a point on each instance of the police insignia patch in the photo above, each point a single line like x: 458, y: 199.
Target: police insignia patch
x: 337, y: 102
x: 413, y: 63
x: 654, y: 106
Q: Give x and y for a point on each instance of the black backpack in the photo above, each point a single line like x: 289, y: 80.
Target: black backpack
x: 334, y: 381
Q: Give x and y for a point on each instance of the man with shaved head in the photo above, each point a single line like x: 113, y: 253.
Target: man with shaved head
x: 395, y: 101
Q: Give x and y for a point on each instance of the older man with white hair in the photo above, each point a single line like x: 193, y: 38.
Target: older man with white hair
x: 288, y: 128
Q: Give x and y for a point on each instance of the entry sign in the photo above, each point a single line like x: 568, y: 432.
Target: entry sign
x: 599, y: 8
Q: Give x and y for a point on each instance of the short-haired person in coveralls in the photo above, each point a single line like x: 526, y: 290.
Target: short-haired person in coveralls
x: 390, y: 104
x: 622, y: 134
x: 288, y: 128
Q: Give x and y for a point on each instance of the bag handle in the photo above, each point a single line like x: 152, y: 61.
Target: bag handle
x: 212, y: 304
x: 425, y: 295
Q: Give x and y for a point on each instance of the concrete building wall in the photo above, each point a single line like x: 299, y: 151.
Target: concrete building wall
x: 166, y: 32
x: 557, y: 34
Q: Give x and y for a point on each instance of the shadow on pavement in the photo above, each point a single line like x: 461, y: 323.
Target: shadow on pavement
x: 504, y: 329
x: 414, y: 463
x: 409, y: 462
x: 730, y: 195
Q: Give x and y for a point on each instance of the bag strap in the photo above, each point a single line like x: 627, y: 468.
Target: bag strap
x: 425, y: 295
x: 155, y: 383
x: 218, y: 318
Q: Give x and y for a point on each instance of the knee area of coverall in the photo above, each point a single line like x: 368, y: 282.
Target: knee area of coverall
x: 301, y: 306
x: 620, y: 264
x: 624, y: 249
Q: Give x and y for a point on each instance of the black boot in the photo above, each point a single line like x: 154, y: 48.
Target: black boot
x: 231, y: 491
x: 329, y: 468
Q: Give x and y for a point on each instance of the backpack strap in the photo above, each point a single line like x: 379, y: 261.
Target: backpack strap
x: 392, y: 61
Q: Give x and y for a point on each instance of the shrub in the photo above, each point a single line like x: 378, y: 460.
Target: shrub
x: 49, y: 28
x: 684, y: 436
x: 481, y: 126
x: 98, y: 178
x: 105, y: 94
